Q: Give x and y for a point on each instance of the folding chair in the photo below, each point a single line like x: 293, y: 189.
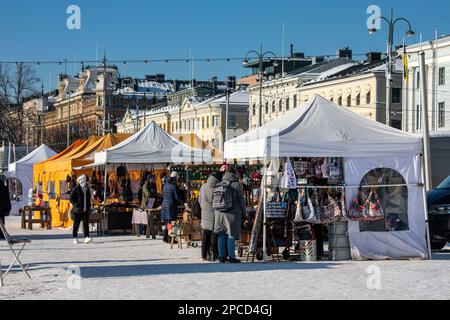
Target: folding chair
x: 11, y: 243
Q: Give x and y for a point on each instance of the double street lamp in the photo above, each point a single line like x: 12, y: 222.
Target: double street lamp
x: 261, y: 56
x: 390, y: 53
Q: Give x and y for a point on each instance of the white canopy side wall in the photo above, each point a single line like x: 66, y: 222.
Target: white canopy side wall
x: 389, y: 245
x: 22, y: 170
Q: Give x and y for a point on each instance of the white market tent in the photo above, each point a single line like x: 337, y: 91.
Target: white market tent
x: 22, y: 170
x: 152, y: 145
x: 320, y: 128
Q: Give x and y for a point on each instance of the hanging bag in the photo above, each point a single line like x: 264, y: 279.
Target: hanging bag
x: 373, y: 211
x: 288, y: 181
x: 356, y: 210
x: 333, y: 211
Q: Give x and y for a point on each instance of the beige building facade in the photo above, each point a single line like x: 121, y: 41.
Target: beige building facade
x: 204, y: 117
x: 358, y: 87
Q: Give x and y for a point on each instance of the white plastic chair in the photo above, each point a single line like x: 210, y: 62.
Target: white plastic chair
x: 11, y: 243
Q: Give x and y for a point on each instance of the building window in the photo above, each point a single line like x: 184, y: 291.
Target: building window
x: 254, y: 109
x: 340, y: 101
x: 280, y: 106
x: 295, y: 101
x: 396, y: 95
x: 441, y: 76
x: 418, y: 80
x: 441, y: 119
x: 287, y: 104
x: 273, y: 106
x: 349, y: 100
x: 203, y: 123
x: 232, y: 123
x: 216, y: 121
x: 207, y: 122
x: 358, y: 99
x: 267, y: 107
x: 368, y: 97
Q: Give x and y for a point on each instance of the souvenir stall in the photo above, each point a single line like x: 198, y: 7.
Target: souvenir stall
x: 151, y: 148
x: 20, y: 177
x: 58, y: 176
x: 347, y: 172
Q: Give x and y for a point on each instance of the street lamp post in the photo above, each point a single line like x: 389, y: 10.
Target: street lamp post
x: 104, y: 95
x: 390, y: 56
x: 261, y: 55
x: 68, y: 119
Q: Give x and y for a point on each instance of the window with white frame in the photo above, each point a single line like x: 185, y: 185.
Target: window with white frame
x: 441, y: 76
x: 216, y: 121
x: 441, y: 115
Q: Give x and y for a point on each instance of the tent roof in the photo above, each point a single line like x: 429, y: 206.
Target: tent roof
x: 152, y: 145
x: 100, y: 145
x: 68, y: 150
x: 38, y: 155
x: 193, y: 140
x: 320, y: 128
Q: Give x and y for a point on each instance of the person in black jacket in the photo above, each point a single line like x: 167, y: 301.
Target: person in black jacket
x: 5, y: 202
x: 80, y: 198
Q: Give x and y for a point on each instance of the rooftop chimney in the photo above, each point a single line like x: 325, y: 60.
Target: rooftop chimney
x: 345, y: 53
x: 373, y: 57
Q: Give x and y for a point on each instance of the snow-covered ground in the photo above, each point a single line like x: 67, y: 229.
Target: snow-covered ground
x: 125, y: 267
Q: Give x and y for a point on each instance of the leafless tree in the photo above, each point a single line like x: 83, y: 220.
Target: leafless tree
x: 16, y: 84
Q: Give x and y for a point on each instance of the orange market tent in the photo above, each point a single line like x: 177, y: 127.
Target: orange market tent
x: 195, y: 141
x: 51, y: 175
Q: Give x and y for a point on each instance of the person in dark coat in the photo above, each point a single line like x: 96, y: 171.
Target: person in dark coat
x: 169, y: 211
x: 5, y: 202
x: 80, y: 198
x: 210, y: 239
x: 228, y: 224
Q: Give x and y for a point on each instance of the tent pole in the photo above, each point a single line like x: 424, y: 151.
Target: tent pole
x: 425, y: 210
x: 105, y: 179
x: 264, y: 210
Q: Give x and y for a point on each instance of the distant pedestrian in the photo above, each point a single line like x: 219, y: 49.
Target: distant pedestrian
x: 169, y: 210
x: 228, y: 222
x: 210, y: 239
x: 5, y: 202
x: 80, y: 198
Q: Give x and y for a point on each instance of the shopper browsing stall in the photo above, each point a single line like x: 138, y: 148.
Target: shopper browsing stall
x: 169, y: 211
x: 229, y: 206
x: 210, y: 239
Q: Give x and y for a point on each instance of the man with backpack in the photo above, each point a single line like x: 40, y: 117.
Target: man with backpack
x: 229, y: 207
x: 210, y: 239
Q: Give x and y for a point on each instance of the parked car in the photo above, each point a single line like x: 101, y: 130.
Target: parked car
x: 439, y: 215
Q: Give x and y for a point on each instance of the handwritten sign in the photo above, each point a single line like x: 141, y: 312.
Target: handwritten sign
x: 276, y: 210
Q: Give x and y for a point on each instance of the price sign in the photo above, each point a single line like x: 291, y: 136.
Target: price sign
x: 276, y: 210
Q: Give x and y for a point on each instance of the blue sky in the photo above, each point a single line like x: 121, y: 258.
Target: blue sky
x: 141, y: 29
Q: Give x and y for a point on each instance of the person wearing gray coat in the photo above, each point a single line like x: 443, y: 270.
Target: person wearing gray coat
x: 228, y: 224
x: 209, y: 240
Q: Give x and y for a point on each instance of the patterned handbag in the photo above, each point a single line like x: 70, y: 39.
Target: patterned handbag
x: 333, y: 212
x: 356, y: 210
x: 373, y: 211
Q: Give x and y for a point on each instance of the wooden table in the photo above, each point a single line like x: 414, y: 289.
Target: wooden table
x: 27, y: 217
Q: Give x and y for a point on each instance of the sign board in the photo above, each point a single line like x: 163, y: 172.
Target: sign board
x: 276, y: 210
